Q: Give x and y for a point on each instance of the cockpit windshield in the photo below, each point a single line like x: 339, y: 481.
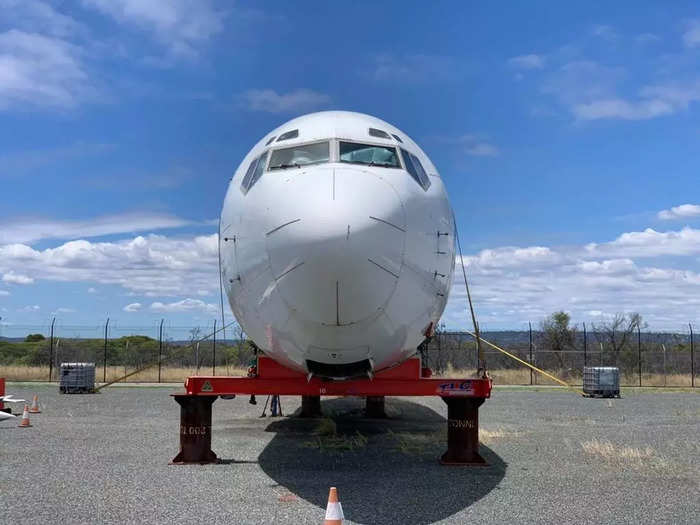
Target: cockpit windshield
x: 298, y: 156
x: 369, y: 154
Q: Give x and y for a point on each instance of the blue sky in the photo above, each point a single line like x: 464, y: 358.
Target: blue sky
x: 567, y: 137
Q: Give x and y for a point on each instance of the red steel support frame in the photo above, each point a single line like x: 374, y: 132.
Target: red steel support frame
x: 462, y: 396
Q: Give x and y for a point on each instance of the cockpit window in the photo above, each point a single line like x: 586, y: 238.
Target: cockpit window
x: 270, y: 141
x: 397, y: 138
x: 288, y: 135
x: 255, y: 170
x: 415, y: 169
x: 379, y: 133
x: 301, y: 155
x: 369, y: 154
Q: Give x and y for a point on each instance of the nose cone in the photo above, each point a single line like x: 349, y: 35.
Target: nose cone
x: 336, y: 245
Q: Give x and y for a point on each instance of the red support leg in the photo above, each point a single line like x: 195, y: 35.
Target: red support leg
x: 463, y: 431
x: 375, y: 407
x: 195, y: 430
x: 310, y: 406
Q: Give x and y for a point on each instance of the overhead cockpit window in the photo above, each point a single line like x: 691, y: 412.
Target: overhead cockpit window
x: 288, y: 135
x: 369, y: 154
x: 397, y: 138
x: 270, y: 141
x: 415, y: 168
x: 379, y: 133
x: 301, y: 155
x: 255, y: 170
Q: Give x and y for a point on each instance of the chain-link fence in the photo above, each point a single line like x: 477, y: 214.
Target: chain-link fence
x: 645, y: 358
x: 171, y: 353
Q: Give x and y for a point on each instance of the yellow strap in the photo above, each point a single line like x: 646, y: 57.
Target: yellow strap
x: 550, y: 376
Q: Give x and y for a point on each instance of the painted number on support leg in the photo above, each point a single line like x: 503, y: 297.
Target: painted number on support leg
x: 456, y: 388
x: 193, y: 430
x: 461, y: 423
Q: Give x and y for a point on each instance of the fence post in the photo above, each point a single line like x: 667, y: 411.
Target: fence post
x: 104, y: 358
x: 213, y: 352
x: 160, y: 347
x: 529, y: 324
x: 639, y: 354
x: 585, y: 347
x: 51, y: 350
x: 692, y: 357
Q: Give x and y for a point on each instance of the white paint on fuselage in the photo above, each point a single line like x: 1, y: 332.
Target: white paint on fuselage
x: 337, y: 262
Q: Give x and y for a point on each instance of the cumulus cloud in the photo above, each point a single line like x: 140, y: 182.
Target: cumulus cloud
x: 473, y: 144
x: 525, y: 62
x: 91, y: 290
x: 186, y: 305
x: 4, y: 293
x: 29, y: 309
x: 691, y: 36
x: 151, y: 265
x: 179, y: 25
x: 591, y: 91
x: 16, y: 278
x: 32, y: 230
x: 132, y: 307
x: 41, y: 71
x: 684, y: 211
x: 39, y: 16
x: 650, y: 243
x: 270, y: 101
x: 415, y: 68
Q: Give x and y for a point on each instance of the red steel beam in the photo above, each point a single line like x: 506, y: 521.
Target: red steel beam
x: 275, y: 379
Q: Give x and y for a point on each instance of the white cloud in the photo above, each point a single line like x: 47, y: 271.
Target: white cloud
x: 650, y: 243
x: 41, y: 71
x: 295, y: 101
x: 647, y: 38
x: 684, y: 211
x: 63, y: 310
x: 691, y: 36
x: 530, y: 61
x: 91, y: 290
x: 179, y: 25
x: 32, y: 230
x: 590, y: 91
x: 482, y: 149
x: 22, y: 162
x: 418, y: 68
x: 604, y: 31
x: 472, y: 144
x: 38, y: 16
x: 132, y: 307
x: 186, y: 305
x: 29, y: 309
x: 151, y: 265
x: 4, y: 293
x: 16, y: 278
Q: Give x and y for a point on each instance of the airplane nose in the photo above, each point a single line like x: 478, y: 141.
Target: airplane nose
x: 336, y: 244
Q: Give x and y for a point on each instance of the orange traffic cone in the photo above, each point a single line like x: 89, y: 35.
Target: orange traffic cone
x: 34, y: 409
x: 25, y: 417
x: 334, y: 511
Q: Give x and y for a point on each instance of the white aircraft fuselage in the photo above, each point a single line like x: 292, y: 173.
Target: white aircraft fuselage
x: 337, y: 244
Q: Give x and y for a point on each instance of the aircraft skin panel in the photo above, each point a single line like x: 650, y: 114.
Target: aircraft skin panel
x: 337, y: 261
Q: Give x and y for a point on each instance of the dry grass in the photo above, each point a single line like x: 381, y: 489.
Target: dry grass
x: 618, y: 454
x: 416, y: 444
x: 327, y: 438
x: 150, y: 375
x: 515, y: 376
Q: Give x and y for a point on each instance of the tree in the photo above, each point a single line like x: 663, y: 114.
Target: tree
x: 34, y: 338
x: 617, y: 332
x: 558, y: 335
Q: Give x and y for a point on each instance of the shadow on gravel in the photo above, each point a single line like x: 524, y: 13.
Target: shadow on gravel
x: 389, y: 472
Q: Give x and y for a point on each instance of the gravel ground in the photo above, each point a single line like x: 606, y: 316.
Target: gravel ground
x: 104, y: 459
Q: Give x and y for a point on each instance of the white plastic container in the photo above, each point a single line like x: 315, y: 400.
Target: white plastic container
x: 77, y: 378
x: 601, y: 381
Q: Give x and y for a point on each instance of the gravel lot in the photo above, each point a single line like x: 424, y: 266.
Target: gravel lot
x: 104, y: 459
